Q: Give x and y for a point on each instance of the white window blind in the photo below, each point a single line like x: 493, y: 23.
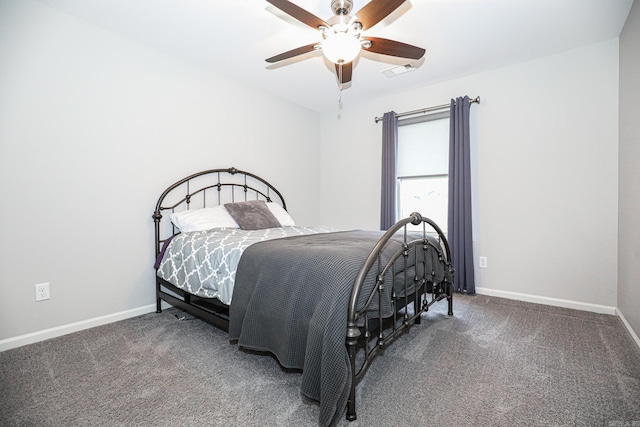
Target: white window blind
x: 423, y: 147
x: 422, y: 167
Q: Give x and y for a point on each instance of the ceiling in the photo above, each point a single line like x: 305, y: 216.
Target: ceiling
x: 461, y: 37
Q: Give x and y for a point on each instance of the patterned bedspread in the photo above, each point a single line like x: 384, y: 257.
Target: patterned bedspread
x: 204, y: 263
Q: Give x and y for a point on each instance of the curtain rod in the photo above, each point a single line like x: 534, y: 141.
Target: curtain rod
x: 429, y: 109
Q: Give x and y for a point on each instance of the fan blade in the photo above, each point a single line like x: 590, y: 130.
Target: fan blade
x: 375, y: 11
x: 345, y: 73
x: 394, y: 48
x: 299, y: 13
x: 293, y: 52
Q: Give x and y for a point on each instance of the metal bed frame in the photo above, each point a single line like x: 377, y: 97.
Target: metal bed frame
x: 211, y: 187
x: 366, y: 336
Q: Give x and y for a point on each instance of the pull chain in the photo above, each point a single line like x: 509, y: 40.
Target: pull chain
x: 340, y: 84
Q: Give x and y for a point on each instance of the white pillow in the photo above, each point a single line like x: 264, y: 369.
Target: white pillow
x: 281, y: 214
x: 203, y: 219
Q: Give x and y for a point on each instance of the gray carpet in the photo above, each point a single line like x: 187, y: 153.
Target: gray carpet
x: 497, y: 362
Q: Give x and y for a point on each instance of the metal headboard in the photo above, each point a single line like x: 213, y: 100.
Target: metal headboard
x: 209, y: 188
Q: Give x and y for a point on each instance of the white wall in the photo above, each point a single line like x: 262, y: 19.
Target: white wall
x: 629, y: 207
x: 545, y: 140
x: 92, y: 128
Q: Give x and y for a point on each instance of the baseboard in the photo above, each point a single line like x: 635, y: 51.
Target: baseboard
x: 46, y: 334
x: 556, y: 302
x: 628, y: 326
x: 58, y: 331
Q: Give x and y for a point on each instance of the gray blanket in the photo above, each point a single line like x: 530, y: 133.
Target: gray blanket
x: 291, y: 298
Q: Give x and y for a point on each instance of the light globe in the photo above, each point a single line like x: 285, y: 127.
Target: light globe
x: 341, y: 48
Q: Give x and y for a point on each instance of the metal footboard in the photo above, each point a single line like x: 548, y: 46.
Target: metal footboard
x: 369, y: 333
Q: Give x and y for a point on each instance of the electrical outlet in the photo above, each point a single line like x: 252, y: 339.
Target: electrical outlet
x: 42, y: 291
x: 482, y: 262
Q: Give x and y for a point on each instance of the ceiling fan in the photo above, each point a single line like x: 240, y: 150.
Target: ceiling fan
x: 342, y: 34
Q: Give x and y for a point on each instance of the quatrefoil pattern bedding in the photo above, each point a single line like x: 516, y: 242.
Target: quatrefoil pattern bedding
x: 204, y: 263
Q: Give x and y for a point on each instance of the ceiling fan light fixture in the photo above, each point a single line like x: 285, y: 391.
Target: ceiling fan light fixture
x: 341, y: 47
x: 342, y: 37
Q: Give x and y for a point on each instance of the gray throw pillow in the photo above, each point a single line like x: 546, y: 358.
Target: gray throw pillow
x: 252, y: 215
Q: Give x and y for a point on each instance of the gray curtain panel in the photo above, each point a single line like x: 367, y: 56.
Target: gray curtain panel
x: 389, y: 150
x: 459, y: 233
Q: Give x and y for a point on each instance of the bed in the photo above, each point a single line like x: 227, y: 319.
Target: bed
x: 323, y: 301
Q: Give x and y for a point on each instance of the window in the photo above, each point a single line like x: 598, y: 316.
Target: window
x: 423, y: 166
